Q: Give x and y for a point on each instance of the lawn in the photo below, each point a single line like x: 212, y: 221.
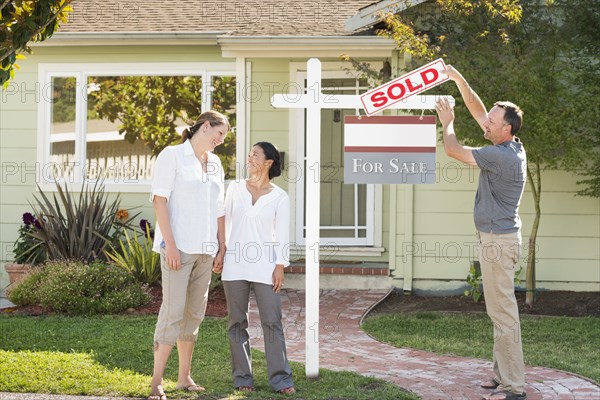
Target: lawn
x: 565, y: 343
x: 112, y: 355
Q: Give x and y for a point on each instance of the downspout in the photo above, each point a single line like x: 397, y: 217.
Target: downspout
x: 408, y: 237
x: 393, y: 229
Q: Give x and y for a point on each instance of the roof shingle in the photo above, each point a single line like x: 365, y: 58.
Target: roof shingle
x: 237, y: 18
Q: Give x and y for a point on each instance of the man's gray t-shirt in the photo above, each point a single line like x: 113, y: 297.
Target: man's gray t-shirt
x: 501, y: 183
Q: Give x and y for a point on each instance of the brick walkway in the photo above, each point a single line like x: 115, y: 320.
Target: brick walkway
x: 343, y: 346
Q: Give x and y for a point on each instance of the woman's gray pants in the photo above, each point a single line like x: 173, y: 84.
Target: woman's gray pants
x: 269, y: 308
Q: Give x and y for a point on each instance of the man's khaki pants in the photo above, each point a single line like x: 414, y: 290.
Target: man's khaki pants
x: 185, y: 294
x: 498, y: 255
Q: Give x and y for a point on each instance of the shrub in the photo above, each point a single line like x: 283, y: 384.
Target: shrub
x: 475, y: 281
x: 135, y: 255
x: 24, y: 292
x: 73, y: 287
x: 77, y: 227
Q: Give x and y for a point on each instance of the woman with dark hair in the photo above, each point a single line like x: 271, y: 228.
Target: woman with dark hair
x: 257, y: 216
x: 188, y: 197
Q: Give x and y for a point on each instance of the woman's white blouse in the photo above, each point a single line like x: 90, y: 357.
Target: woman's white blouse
x: 257, y: 236
x: 195, y: 199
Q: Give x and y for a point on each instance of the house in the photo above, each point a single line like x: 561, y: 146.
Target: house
x: 411, y: 237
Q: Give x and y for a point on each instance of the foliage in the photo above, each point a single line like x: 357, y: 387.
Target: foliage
x: 535, y: 68
x: 73, y: 287
x: 224, y: 101
x: 150, y: 107
x: 135, y: 255
x: 24, y: 292
x: 63, y: 99
x: 544, y: 59
x: 24, y: 21
x: 583, y: 46
x: 475, y: 281
x: 77, y: 228
x: 540, y: 55
x: 28, y: 249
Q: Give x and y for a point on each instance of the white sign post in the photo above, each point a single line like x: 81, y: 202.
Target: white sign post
x: 313, y: 101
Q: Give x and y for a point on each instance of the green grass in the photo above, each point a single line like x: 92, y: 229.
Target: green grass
x: 113, y: 356
x: 568, y: 344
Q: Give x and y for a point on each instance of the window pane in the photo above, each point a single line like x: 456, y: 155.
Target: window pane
x: 130, y: 119
x: 224, y: 101
x: 62, y: 127
x: 362, y: 199
x: 337, y: 233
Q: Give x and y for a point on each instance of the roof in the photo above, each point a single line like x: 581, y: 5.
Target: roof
x: 235, y: 18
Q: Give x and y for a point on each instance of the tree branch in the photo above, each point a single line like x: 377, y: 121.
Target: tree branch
x: 12, y: 50
x: 4, y: 4
x: 531, y: 182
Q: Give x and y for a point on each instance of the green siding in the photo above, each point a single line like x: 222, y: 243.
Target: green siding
x: 568, y: 237
x: 442, y: 221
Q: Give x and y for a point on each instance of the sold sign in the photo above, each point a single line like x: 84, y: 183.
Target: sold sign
x: 414, y: 82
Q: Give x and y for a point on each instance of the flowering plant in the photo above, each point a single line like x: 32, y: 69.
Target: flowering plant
x: 28, y: 249
x: 134, y: 254
x: 147, y: 229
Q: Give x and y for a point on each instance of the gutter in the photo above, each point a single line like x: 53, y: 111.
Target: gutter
x: 129, y: 38
x: 305, y: 46
x: 235, y: 46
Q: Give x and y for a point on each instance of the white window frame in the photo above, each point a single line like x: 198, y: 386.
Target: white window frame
x: 82, y: 71
x: 374, y: 226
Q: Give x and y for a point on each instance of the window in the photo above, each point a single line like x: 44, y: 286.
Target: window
x: 109, y: 122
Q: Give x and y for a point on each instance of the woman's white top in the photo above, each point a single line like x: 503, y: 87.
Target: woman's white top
x: 195, y: 199
x: 257, y: 236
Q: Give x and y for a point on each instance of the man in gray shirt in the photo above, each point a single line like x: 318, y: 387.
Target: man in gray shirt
x: 501, y: 183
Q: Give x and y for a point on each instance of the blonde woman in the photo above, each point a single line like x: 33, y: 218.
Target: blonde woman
x: 188, y: 197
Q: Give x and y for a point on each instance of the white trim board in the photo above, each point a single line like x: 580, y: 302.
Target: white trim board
x: 370, y: 15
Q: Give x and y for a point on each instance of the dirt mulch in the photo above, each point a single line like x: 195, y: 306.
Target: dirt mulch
x: 558, y: 303
x: 216, y: 306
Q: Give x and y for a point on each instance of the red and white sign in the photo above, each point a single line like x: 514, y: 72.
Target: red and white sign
x: 414, y: 82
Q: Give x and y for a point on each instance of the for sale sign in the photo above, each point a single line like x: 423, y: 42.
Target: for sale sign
x: 389, y: 149
x: 414, y: 82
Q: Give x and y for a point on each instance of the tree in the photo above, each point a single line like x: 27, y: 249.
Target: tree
x: 24, y: 21
x: 149, y: 108
x: 536, y: 54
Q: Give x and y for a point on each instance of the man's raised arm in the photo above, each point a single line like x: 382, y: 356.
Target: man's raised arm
x: 471, y: 99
